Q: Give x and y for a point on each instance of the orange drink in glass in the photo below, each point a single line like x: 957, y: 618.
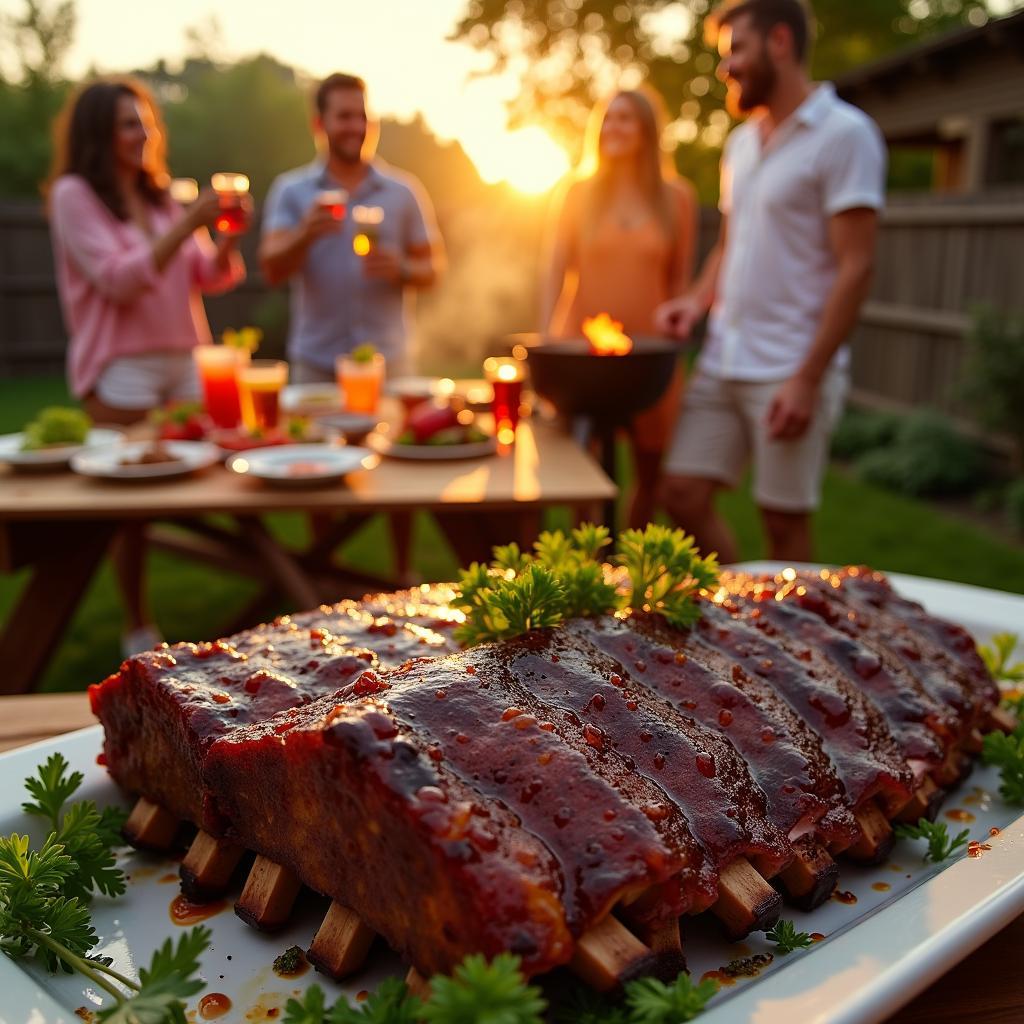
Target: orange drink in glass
x: 361, y: 380
x: 260, y: 383
x: 217, y: 366
x: 231, y: 189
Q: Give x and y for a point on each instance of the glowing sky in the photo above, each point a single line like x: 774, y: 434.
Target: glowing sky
x: 399, y: 46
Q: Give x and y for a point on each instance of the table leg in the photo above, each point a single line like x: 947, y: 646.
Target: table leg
x: 284, y: 568
x: 36, y: 624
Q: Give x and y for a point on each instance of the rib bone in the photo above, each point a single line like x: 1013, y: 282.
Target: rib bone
x: 150, y: 827
x: 208, y: 867
x: 268, y: 896
x: 341, y: 944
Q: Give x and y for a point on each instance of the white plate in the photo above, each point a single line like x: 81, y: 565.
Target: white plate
x: 108, y: 463
x: 310, y: 399
x: 60, y: 455
x: 431, y: 452
x: 414, y: 387
x: 319, y: 463
x: 877, y: 954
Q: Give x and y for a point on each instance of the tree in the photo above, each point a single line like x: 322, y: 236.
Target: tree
x: 41, y: 37
x: 38, y: 39
x: 569, y: 53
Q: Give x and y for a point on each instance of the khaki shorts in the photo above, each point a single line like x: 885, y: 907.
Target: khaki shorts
x: 722, y: 427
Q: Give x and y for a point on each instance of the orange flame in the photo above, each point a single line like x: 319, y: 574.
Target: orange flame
x: 606, y: 336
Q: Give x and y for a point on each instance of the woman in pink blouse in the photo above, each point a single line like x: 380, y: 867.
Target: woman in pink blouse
x: 131, y: 269
x: 131, y: 263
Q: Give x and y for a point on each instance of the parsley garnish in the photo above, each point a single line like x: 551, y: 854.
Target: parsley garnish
x: 476, y: 992
x: 787, y: 938
x: 997, y: 658
x: 564, y: 578
x: 665, y: 571
x: 940, y: 846
x: 653, y: 1002
x: 481, y: 991
x: 162, y: 988
x: 390, y: 1004
x: 1007, y: 753
x: 44, y: 896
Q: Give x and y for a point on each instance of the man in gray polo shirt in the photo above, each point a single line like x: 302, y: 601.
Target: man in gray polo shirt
x: 341, y: 300
x: 803, y: 180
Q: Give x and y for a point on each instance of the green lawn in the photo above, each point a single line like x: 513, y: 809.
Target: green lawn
x: 857, y: 523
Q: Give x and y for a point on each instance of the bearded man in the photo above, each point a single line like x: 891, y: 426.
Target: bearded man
x: 803, y: 181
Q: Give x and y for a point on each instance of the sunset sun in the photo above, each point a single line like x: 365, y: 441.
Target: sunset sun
x: 528, y: 159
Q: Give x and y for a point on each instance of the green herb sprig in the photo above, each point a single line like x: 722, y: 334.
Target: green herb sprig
x: 997, y: 658
x: 44, y: 896
x: 1007, y: 753
x: 940, y: 846
x: 495, y: 992
x: 564, y: 577
x: 787, y: 938
x: 665, y: 571
x: 482, y: 991
x: 653, y: 1002
x: 390, y: 1004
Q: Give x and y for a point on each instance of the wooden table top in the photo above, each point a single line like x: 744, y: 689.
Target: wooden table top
x: 986, y: 988
x: 545, y: 466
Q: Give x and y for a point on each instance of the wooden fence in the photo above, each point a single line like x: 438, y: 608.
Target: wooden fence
x: 938, y: 259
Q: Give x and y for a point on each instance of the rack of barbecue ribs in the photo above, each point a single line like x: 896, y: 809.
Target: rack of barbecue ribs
x: 568, y: 795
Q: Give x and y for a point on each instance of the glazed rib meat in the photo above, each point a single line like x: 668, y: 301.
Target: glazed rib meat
x: 510, y: 796
x: 163, y: 709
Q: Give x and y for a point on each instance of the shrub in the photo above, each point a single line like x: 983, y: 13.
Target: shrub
x: 861, y: 431
x: 994, y: 371
x: 926, y: 457
x: 1015, y: 504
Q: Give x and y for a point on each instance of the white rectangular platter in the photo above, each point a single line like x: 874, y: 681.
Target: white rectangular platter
x: 910, y: 923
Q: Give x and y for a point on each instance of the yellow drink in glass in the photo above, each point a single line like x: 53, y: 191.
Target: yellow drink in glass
x: 259, y: 392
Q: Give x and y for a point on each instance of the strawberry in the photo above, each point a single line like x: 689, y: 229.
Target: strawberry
x: 180, y: 421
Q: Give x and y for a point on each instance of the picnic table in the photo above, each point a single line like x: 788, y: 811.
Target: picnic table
x: 60, y: 526
x: 985, y: 988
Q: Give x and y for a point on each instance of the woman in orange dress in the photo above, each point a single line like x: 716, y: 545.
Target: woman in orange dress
x: 623, y: 241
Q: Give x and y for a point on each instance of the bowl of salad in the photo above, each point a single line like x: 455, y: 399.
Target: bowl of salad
x: 49, y: 440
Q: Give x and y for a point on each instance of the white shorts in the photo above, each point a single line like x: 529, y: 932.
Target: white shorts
x: 723, y: 426
x: 148, y: 381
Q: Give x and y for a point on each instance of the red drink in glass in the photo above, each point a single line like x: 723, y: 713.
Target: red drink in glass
x: 508, y: 394
x: 218, y: 365
x: 335, y: 200
x: 231, y: 189
x: 506, y: 380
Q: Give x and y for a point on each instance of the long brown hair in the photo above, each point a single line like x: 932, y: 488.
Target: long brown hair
x: 655, y: 166
x: 83, y: 143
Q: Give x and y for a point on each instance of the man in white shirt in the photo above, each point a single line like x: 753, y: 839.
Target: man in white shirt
x: 803, y: 180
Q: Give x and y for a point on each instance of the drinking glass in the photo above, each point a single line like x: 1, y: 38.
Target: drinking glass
x: 217, y: 366
x: 231, y: 189
x: 367, y: 221
x: 335, y: 200
x: 506, y: 379
x: 260, y: 383
x: 360, y: 382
